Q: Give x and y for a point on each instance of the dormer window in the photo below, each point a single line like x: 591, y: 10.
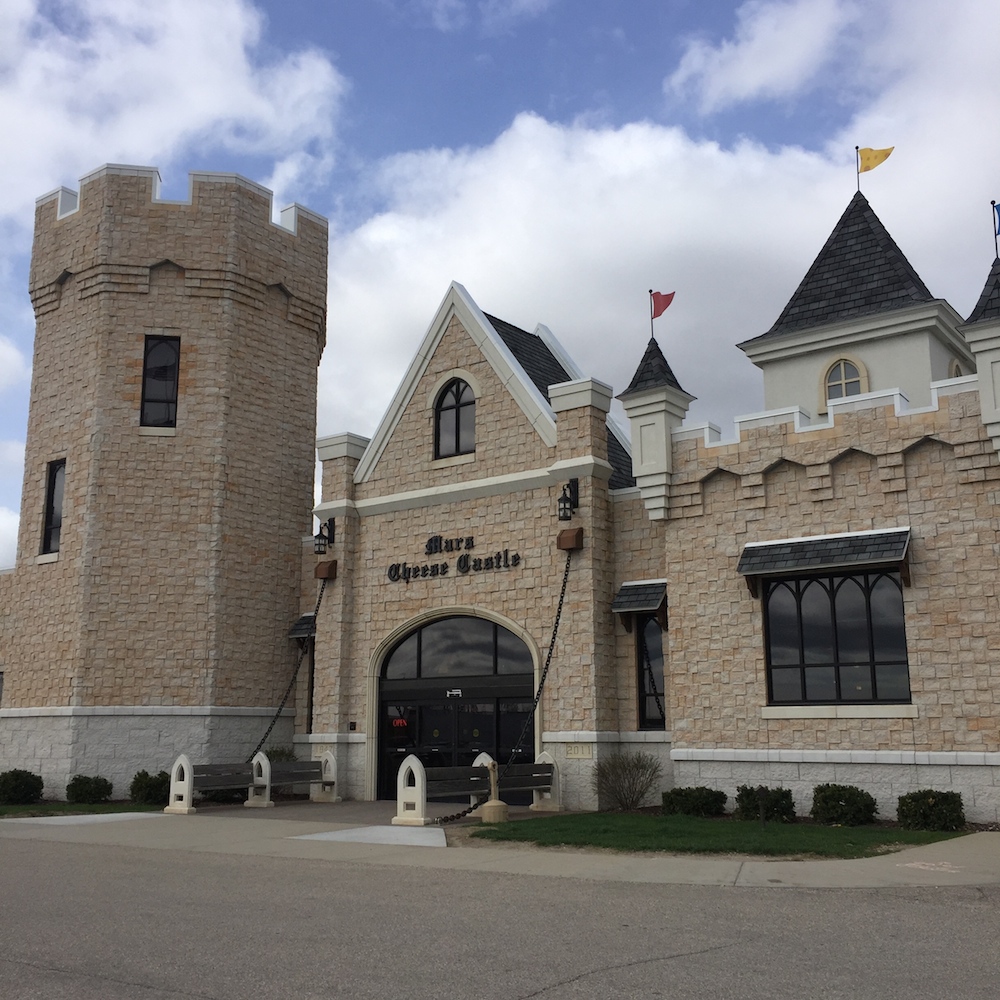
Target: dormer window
x: 843, y: 379
x: 455, y: 420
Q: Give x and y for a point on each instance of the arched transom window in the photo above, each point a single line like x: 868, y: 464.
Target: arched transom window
x: 843, y: 379
x: 455, y: 420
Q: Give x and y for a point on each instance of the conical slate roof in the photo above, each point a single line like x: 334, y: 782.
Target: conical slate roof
x: 652, y: 373
x: 860, y: 271
x: 988, y: 306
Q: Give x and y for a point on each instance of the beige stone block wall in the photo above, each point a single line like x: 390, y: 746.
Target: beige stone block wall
x: 935, y: 472
x: 179, y: 570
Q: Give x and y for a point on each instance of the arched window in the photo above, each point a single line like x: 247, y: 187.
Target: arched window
x: 455, y: 420
x: 956, y: 370
x: 843, y: 379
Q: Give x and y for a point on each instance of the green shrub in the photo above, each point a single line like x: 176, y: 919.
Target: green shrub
x: 843, y: 805
x: 700, y: 801
x: 279, y: 752
x: 931, y: 810
x: 150, y: 789
x: 20, y: 788
x: 778, y: 804
x: 625, y: 778
x: 88, y: 790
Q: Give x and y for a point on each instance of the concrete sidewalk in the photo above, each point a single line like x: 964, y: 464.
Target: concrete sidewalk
x: 360, y: 833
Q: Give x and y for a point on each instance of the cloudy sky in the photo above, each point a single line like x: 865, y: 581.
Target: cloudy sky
x: 556, y: 157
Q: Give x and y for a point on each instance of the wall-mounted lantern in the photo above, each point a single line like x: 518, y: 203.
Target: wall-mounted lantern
x: 569, y: 500
x: 325, y: 536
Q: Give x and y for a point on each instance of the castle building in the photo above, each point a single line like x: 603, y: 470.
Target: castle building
x: 809, y: 598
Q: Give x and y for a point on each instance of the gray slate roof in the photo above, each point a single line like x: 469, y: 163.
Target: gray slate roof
x: 867, y: 548
x: 859, y: 272
x: 643, y: 596
x: 303, y: 627
x: 653, y: 372
x: 988, y: 306
x: 544, y: 369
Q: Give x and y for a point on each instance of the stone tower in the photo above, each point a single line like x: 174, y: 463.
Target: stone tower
x: 168, y: 475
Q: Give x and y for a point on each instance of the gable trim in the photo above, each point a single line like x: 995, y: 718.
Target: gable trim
x: 459, y: 304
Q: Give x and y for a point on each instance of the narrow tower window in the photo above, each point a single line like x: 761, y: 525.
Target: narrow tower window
x: 649, y: 653
x: 455, y: 420
x: 159, y: 382
x: 53, y: 506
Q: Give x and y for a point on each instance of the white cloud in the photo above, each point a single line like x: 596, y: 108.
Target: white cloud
x: 780, y: 47
x: 501, y: 15
x: 129, y: 81
x: 8, y: 537
x: 570, y: 225
x: 14, y: 367
x: 447, y: 15
x: 11, y: 471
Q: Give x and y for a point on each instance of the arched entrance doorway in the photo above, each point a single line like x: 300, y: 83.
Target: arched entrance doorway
x: 452, y: 688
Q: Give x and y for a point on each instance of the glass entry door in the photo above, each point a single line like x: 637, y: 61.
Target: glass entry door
x: 450, y: 733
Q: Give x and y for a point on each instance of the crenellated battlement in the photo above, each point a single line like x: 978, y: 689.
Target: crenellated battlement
x: 116, y: 228
x: 68, y: 201
x: 800, y: 421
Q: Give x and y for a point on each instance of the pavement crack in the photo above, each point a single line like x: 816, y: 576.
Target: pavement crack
x: 615, y: 966
x: 78, y: 973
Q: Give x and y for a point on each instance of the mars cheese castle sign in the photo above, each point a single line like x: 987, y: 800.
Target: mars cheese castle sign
x: 464, y: 563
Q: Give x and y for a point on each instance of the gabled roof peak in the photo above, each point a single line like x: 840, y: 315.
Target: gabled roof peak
x: 653, y: 372
x: 860, y: 271
x: 988, y: 306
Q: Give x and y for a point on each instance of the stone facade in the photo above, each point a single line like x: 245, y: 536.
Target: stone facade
x: 162, y: 619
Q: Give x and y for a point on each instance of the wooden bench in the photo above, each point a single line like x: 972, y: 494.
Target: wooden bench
x: 257, y: 777
x: 415, y: 784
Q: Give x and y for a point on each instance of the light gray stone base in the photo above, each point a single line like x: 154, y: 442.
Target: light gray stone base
x: 115, y: 743
x: 350, y: 751
x: 576, y: 772
x: 979, y: 784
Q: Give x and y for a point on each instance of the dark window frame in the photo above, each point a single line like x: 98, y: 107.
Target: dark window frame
x: 647, y: 695
x: 417, y: 635
x: 821, y: 653
x: 55, y: 492
x: 455, y: 420
x: 159, y: 408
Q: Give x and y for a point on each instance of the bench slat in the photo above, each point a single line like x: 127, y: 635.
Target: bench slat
x: 294, y: 771
x: 444, y: 773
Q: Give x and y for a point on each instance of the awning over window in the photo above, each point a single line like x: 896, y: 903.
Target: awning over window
x: 641, y: 597
x: 883, y: 547
x: 304, y: 627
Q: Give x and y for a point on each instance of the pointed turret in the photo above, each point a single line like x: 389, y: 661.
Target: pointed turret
x: 861, y: 321
x: 988, y: 306
x: 656, y: 405
x: 982, y: 331
x: 859, y: 271
x: 653, y: 372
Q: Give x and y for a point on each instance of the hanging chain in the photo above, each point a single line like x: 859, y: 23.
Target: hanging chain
x: 441, y: 820
x: 295, y: 674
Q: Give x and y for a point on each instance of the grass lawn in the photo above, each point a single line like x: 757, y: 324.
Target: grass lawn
x: 71, y: 809
x: 690, y: 835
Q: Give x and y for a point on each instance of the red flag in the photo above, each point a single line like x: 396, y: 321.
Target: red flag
x: 660, y: 302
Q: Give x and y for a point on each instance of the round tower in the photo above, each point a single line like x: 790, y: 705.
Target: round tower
x: 168, y: 474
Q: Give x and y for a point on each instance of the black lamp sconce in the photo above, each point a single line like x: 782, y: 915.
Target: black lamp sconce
x: 569, y: 500
x: 325, y: 536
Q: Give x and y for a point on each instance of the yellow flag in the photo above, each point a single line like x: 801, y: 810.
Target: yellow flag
x: 871, y: 158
